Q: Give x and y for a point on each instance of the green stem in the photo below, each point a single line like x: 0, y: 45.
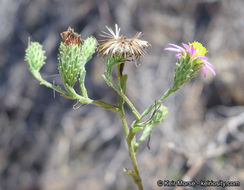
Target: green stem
x: 133, y: 109
x: 159, y: 101
x: 135, y: 175
x: 122, y: 116
x: 106, y: 105
x: 121, y: 101
x: 100, y: 103
x: 73, y: 95
x: 137, y: 180
x: 123, y: 96
x: 38, y: 76
x: 82, y: 83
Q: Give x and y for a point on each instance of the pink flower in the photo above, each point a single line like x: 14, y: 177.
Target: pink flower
x: 196, y: 51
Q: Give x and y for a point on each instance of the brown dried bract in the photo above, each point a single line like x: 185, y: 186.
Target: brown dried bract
x: 70, y: 37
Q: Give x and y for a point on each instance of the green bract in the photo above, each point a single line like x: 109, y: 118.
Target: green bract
x: 185, y: 70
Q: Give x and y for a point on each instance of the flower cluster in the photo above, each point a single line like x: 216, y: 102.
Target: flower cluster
x: 74, y: 54
x: 116, y: 44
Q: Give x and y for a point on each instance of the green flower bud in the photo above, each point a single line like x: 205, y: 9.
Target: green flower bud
x: 70, y: 61
x: 73, y: 56
x: 35, y: 56
x: 70, y: 57
x: 88, y: 49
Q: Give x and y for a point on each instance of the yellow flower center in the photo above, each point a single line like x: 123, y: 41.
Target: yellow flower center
x: 200, y: 49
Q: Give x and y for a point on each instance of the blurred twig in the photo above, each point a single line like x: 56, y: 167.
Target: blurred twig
x: 191, y: 173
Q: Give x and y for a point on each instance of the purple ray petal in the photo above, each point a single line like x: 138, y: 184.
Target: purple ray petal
x: 176, y: 46
x: 204, y: 71
x: 202, y: 57
x: 193, y: 51
x: 211, y: 69
x: 207, y: 63
x: 172, y: 49
x: 187, y: 47
x: 178, y: 55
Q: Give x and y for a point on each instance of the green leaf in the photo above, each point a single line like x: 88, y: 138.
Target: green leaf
x: 157, y: 117
x: 110, y: 63
x: 123, y: 81
x: 136, y: 129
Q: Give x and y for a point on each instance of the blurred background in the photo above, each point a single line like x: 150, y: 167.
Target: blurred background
x: 46, y: 145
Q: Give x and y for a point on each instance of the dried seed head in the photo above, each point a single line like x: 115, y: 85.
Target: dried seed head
x: 116, y: 44
x: 70, y: 37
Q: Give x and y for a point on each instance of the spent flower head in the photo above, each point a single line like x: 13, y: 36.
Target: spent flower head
x: 196, y: 51
x: 115, y: 44
x: 70, y: 37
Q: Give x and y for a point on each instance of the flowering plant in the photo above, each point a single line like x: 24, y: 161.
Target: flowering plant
x: 117, y: 50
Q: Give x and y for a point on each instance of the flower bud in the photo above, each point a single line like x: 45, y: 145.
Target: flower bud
x: 35, y: 56
x: 70, y: 57
x: 88, y: 49
x: 69, y: 63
